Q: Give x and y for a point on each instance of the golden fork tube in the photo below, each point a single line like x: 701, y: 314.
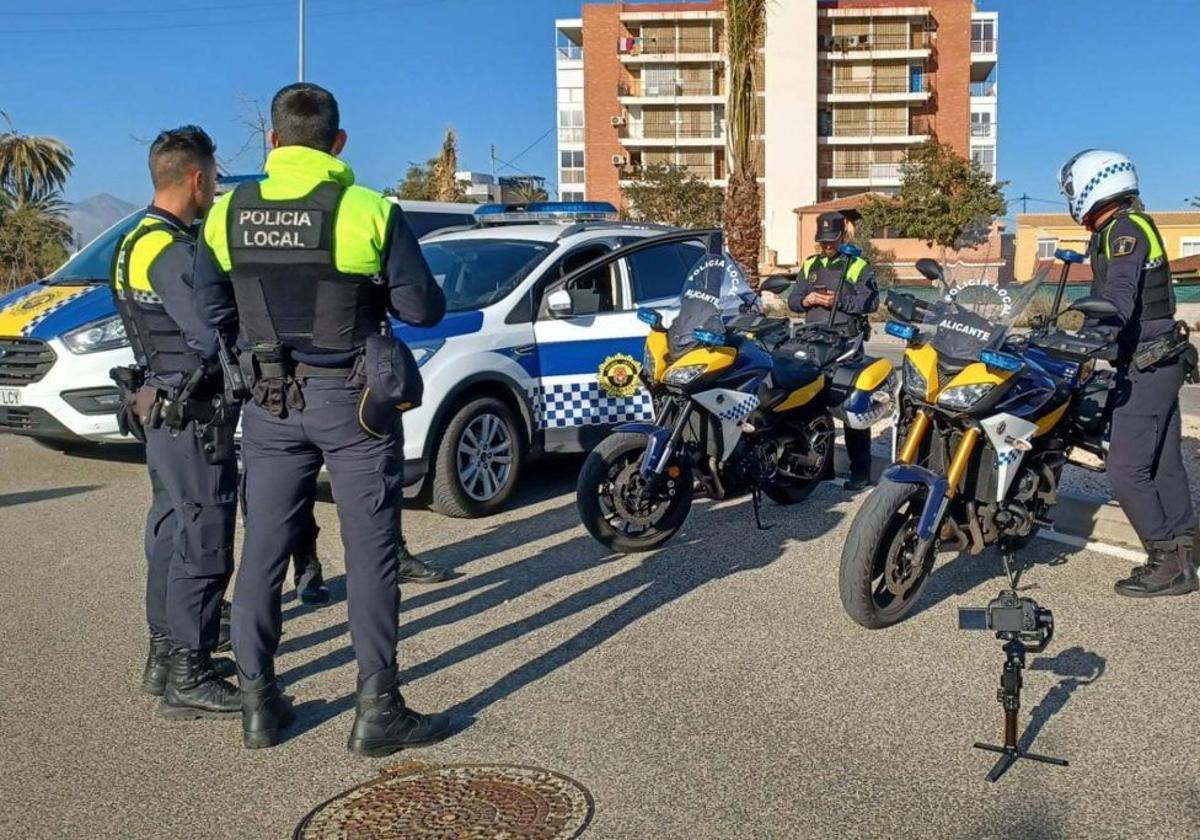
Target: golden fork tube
x: 916, y: 434
x: 958, y: 466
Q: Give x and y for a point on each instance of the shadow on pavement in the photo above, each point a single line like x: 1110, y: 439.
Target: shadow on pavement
x: 1077, y: 667
x: 120, y: 453
x: 30, y: 496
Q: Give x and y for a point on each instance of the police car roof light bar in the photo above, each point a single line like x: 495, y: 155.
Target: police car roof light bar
x: 546, y: 211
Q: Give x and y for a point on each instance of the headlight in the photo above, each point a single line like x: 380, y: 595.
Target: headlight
x: 423, y: 350
x: 108, y: 334
x: 684, y: 375
x: 962, y: 397
x: 914, y: 383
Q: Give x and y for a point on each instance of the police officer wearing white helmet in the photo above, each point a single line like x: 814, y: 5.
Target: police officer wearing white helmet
x: 1145, y: 463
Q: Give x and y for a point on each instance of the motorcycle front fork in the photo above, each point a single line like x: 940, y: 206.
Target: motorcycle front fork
x: 655, y: 461
x: 954, y: 474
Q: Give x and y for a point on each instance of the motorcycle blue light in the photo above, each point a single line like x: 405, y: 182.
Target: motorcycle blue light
x: 709, y: 338
x: 848, y: 250
x: 649, y: 316
x: 905, y: 331
x: 1002, y: 361
x: 1069, y: 256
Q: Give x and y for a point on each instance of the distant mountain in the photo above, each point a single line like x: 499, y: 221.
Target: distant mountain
x: 92, y: 216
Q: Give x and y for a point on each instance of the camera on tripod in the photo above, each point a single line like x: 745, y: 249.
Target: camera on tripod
x: 1012, y: 617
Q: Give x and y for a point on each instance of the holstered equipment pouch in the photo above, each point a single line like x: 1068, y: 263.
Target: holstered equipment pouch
x: 392, y: 382
x: 1176, y: 343
x: 128, y: 380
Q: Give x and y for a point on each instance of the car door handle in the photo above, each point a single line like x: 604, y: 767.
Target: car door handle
x: 524, y: 350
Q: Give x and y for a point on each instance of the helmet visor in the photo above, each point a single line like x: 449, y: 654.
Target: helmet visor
x: 1066, y: 175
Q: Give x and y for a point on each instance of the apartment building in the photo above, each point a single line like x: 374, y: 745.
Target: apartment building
x: 849, y: 86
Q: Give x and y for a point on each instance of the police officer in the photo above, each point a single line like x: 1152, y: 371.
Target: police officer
x: 189, y: 530
x: 1145, y: 464
x: 305, y: 266
x: 813, y: 294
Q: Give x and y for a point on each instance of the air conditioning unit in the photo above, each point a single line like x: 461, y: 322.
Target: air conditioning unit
x: 855, y: 40
x: 619, y: 160
x: 618, y: 122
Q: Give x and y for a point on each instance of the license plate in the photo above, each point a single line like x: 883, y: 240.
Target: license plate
x: 10, y: 396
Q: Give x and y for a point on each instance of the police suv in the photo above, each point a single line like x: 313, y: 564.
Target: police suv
x: 539, y: 351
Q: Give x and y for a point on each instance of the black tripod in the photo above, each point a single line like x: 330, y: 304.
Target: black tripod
x: 1009, y: 695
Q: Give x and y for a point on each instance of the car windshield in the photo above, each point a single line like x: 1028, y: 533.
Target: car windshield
x: 475, y: 273
x: 972, y: 314
x: 93, y: 262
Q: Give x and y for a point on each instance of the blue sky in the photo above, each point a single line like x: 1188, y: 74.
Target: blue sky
x: 1073, y: 74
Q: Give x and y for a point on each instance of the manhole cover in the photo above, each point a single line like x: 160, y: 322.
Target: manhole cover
x: 454, y: 802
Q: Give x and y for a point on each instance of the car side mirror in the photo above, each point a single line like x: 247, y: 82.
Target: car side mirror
x: 775, y: 285
x: 930, y: 269
x: 1093, y: 307
x: 560, y: 304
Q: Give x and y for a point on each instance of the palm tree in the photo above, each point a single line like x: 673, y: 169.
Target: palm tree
x: 745, y: 24
x: 445, y: 183
x: 32, y: 167
x: 529, y: 193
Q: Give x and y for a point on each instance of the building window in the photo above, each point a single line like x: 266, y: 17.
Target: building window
x: 570, y: 125
x: 985, y: 156
x: 1046, y: 248
x: 981, y: 124
x: 983, y: 36
x: 570, y: 196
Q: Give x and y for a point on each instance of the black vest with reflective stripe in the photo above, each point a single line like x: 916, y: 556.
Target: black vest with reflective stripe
x: 1156, y: 300
x: 158, y: 343
x: 286, y: 282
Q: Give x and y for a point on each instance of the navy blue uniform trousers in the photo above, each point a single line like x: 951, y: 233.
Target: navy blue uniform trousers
x: 189, y: 538
x: 1145, y: 461
x: 282, y: 457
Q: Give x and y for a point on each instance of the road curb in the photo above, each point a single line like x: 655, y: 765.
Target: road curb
x: 1087, y: 517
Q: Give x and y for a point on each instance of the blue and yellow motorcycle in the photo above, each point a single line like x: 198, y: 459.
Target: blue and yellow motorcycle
x: 742, y: 405
x: 986, y: 419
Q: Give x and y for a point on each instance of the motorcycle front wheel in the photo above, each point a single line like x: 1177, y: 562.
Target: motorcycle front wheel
x: 615, y: 505
x: 881, y: 577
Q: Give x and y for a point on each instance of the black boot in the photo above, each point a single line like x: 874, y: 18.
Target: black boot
x: 223, y: 634
x: 410, y: 569
x: 1170, y: 571
x: 309, y: 580
x: 194, y: 690
x: 856, y: 483
x: 265, y: 711
x: 158, y: 662
x: 383, y: 724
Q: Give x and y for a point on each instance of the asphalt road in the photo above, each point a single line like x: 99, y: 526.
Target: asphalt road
x: 714, y: 689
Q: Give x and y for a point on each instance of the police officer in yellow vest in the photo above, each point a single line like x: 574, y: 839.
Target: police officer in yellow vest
x: 174, y: 405
x: 813, y: 294
x: 304, y: 267
x: 1145, y: 462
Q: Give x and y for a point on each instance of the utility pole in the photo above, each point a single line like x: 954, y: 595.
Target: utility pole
x: 1024, y: 199
x: 300, y: 54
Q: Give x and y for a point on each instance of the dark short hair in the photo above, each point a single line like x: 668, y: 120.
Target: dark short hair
x: 305, y: 114
x: 178, y: 152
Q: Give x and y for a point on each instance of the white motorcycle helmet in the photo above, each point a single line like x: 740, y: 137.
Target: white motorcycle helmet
x: 1095, y: 177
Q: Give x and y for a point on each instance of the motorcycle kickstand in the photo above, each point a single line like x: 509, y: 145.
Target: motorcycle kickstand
x: 756, y: 502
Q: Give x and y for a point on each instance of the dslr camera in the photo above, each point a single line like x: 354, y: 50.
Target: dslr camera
x: 1012, y: 618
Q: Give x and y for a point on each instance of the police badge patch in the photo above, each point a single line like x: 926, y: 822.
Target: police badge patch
x: 1124, y: 246
x: 618, y: 375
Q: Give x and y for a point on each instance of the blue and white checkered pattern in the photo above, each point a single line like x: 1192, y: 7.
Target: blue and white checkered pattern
x: 1097, y: 179
x: 1007, y: 457
x: 567, y: 404
x: 28, y: 329
x: 740, y: 410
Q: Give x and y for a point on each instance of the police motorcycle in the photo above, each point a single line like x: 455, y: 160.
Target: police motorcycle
x: 741, y: 405
x: 985, y: 421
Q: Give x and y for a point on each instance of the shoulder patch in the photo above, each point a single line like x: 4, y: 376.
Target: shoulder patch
x: 1124, y: 246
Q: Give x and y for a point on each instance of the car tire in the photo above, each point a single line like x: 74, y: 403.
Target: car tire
x: 478, y: 460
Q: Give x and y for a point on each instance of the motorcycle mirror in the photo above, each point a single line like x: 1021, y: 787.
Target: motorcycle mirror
x: 848, y: 250
x: 930, y: 269
x: 775, y: 285
x: 1093, y: 307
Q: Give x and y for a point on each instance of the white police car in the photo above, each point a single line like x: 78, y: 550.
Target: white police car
x: 59, y: 338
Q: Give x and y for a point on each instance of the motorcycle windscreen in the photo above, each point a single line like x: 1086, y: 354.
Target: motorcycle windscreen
x: 974, y: 314
x: 715, y: 289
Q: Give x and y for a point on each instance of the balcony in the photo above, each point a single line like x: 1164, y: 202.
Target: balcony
x: 872, y: 132
x: 705, y: 92
x: 983, y: 131
x: 871, y: 47
x: 712, y: 173
x: 874, y: 89
x: 834, y: 175
x: 684, y: 48
x: 569, y: 54
x: 987, y: 89
x: 639, y: 134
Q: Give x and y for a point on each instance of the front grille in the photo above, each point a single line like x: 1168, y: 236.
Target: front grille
x: 16, y: 419
x: 24, y: 361
x: 35, y: 422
